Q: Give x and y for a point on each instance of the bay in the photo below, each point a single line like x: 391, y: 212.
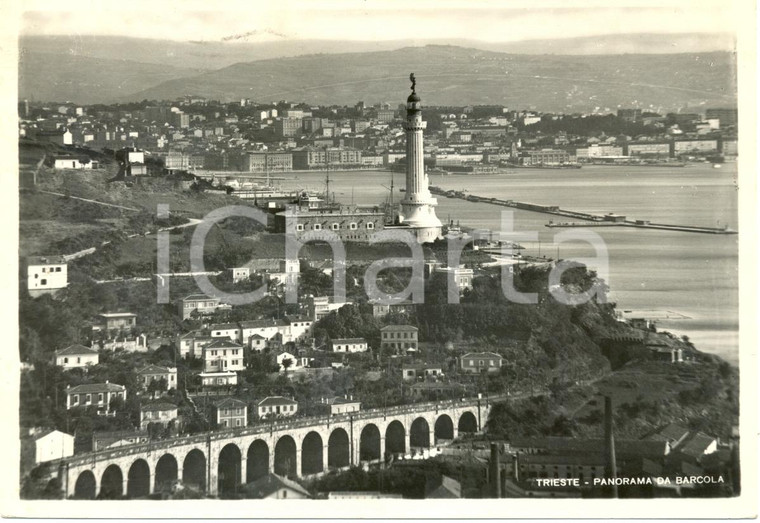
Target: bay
x: 668, y: 272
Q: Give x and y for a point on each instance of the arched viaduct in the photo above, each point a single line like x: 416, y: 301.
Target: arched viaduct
x: 218, y: 462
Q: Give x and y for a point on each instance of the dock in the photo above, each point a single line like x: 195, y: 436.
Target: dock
x: 589, y: 219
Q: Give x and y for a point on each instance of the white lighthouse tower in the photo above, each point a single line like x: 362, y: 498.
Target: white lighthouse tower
x: 418, y: 207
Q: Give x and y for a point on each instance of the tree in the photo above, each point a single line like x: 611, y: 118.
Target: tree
x: 286, y: 364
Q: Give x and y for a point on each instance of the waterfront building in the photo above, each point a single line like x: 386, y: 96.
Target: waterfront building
x: 350, y: 223
x: 417, y: 212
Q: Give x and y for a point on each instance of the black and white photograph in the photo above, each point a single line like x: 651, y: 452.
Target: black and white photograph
x: 481, y: 258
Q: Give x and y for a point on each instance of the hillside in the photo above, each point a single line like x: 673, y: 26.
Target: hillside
x: 456, y: 76
x: 86, y: 80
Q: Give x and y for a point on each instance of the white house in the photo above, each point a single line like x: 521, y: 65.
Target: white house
x: 152, y: 373
x: 75, y: 356
x: 94, y: 395
x: 52, y: 444
x: 342, y: 405
x: 348, y: 345
x: 163, y: 413
x: 71, y: 162
x: 46, y: 274
x: 225, y: 330
x: 462, y: 276
x: 218, y: 379
x: 276, y: 406
x: 191, y: 344
x: 223, y: 355
x: 286, y: 356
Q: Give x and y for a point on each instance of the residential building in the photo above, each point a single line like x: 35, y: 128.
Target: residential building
x: 348, y: 345
x: 102, y: 440
x: 151, y: 373
x: 218, y: 379
x: 223, y: 355
x: 97, y: 395
x: 72, y: 162
x: 229, y: 413
x: 380, y: 310
x: 161, y: 413
x: 288, y: 274
x: 46, y: 274
x: 273, y: 486
x: 230, y: 331
x: 240, y: 274
x: 259, y: 162
x: 293, y: 329
x: 695, y: 146
x: 109, y: 321
x: 647, y: 149
x: 49, y: 444
x: 191, y: 344
x: 320, y: 306
x: 399, y: 339
x: 417, y: 371
x: 462, y: 276
x: 477, y: 362
x: 341, y: 405
x: 276, y: 406
x: 128, y: 343
x: 727, y: 116
x: 200, y: 304
x: 75, y: 356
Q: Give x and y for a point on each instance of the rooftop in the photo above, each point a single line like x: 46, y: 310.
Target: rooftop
x: 408, y: 328
x: 222, y: 343
x: 230, y: 402
x: 156, y: 369
x: 46, y: 260
x: 158, y: 407
x: 271, y: 483
x: 117, y: 315
x: 276, y: 400
x: 73, y: 350
x: 95, y: 388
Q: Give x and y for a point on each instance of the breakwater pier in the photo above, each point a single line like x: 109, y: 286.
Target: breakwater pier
x: 588, y: 219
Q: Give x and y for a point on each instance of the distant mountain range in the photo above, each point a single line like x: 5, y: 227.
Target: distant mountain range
x: 109, y: 69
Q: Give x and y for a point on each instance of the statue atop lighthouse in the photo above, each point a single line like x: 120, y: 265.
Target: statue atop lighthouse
x: 418, y: 206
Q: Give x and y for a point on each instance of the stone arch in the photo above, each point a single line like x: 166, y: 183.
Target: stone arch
x: 395, y: 438
x: 467, y: 422
x: 85, y: 485
x: 166, y: 472
x: 111, y: 483
x: 286, y: 457
x: 338, y: 449
x: 194, y: 470
x: 312, y: 454
x: 419, y: 433
x: 258, y: 460
x: 444, y: 427
x: 138, y: 479
x: 228, y: 469
x: 369, y: 443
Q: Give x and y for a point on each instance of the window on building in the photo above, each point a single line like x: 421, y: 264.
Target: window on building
x: 100, y: 397
x: 75, y: 399
x: 43, y: 282
x: 65, y: 360
x: 370, y: 225
x: 352, y: 226
x: 335, y: 226
x: 317, y: 226
x: 299, y: 226
x: 88, y: 399
x: 57, y: 269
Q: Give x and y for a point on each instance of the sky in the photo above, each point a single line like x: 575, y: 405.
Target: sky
x: 485, y: 20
